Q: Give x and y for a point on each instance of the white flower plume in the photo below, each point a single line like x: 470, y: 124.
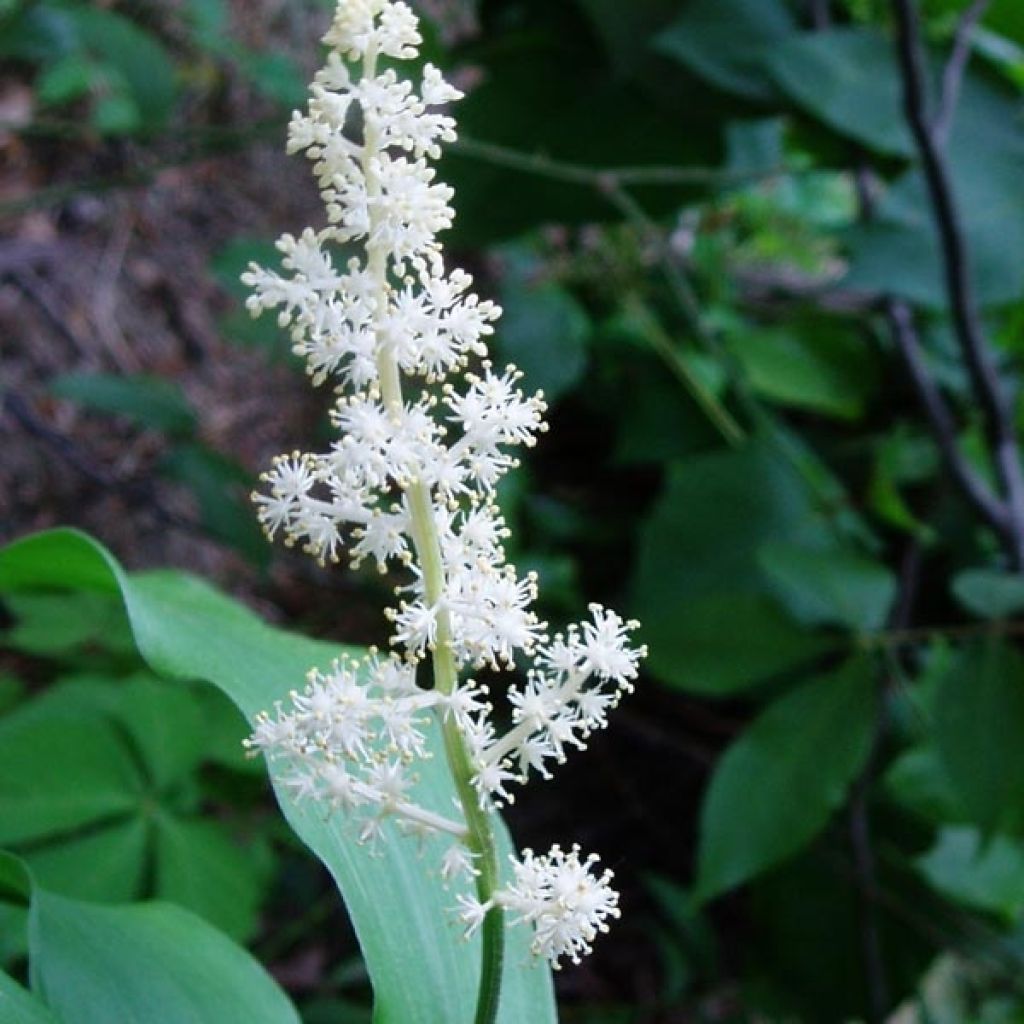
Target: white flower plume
x: 410, y: 483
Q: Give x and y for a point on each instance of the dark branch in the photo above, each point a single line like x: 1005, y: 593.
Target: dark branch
x: 963, y: 304
x: 943, y: 426
x: 953, y: 75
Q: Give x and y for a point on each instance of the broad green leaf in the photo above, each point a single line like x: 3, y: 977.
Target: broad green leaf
x: 777, y: 785
x: 135, y: 55
x: 544, y: 332
x: 847, y: 78
x: 837, y: 587
x: 199, y: 867
x: 65, y: 80
x: 917, y: 781
x: 167, y: 726
x: 150, y: 401
x: 698, y: 561
x: 987, y: 874
x: 58, y: 774
x: 803, y: 369
x: 105, y: 865
x: 96, y: 964
x: 18, y: 1006
x: 55, y: 624
x: 420, y: 968
x: 979, y: 726
x: 693, y: 642
x: 989, y: 593
x: 725, y: 41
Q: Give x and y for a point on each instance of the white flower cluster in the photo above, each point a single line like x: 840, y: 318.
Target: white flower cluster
x: 410, y: 484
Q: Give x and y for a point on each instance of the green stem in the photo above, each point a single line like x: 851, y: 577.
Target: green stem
x: 480, y: 838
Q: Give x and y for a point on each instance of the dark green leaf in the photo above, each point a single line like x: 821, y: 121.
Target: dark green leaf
x: 989, y: 593
x: 777, y: 785
x: 67, y: 79
x: 917, y: 781
x: 847, y: 78
x: 984, y: 874
x: 693, y: 643
x: 819, y: 368
x: 979, y: 726
x: 97, y: 964
x: 38, y: 759
x: 150, y: 401
x: 835, y: 587
x: 55, y: 624
x: 726, y: 41
x: 200, y: 868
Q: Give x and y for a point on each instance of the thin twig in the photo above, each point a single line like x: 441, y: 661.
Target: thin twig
x: 597, y: 177
x: 960, y: 288
x: 953, y: 75
x: 904, y: 333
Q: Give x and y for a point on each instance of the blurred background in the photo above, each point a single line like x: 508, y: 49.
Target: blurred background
x: 766, y: 260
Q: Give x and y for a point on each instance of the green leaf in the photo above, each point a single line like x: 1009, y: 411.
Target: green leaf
x: 817, y: 368
x: 103, y: 866
x: 692, y: 642
x: 543, y: 329
x: 56, y: 624
x: 218, y: 485
x: 17, y: 1006
x: 150, y: 401
x: 725, y: 41
x: 776, y: 786
x: 917, y: 781
x: 698, y: 559
x: 835, y: 587
x: 137, y: 58
x: 199, y: 867
x: 67, y: 79
x: 989, y: 593
x: 117, y: 114
x: 166, y: 725
x: 848, y: 79
x: 421, y: 969
x: 979, y: 727
x: 987, y: 875
x: 38, y: 759
x: 95, y: 964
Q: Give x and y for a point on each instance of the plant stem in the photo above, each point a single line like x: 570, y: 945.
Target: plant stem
x: 480, y: 835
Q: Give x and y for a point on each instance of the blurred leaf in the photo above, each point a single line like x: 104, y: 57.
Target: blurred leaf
x: 231, y: 260
x: 421, y: 969
x: 199, y: 867
x: 217, y: 483
x: 19, y: 1006
x: 984, y: 874
x: 989, y: 593
x: 697, y: 566
x: 276, y: 75
x: 899, y: 251
x: 625, y: 29
x: 979, y: 726
x: 117, y: 114
x: 917, y: 781
x: 137, y: 57
x: 820, y: 368
x: 777, y: 785
x: 153, y: 402
x: 96, y: 964
x: 543, y: 329
x: 166, y: 725
x: 55, y: 624
x: 726, y: 41
x: 104, y: 866
x: 846, y: 77
x: 38, y: 757
x: 693, y: 644
x: 836, y: 587
x: 68, y: 78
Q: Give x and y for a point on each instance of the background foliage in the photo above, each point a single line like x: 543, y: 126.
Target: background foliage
x: 714, y: 232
